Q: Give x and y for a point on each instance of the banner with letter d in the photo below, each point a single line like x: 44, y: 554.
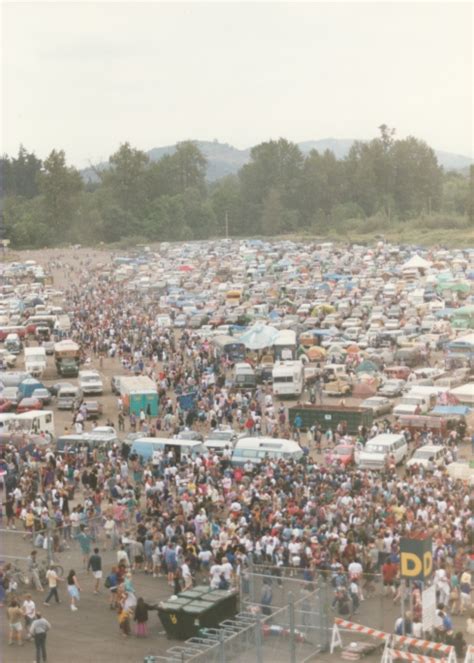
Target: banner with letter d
x: 416, y: 558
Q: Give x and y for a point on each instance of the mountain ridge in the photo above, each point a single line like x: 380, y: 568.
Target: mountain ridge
x: 225, y: 159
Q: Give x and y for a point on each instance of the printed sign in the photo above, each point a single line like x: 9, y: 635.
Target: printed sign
x: 416, y: 558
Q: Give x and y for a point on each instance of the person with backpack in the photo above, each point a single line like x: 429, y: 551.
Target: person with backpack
x: 111, y: 583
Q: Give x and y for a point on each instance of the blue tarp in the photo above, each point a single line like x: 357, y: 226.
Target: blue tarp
x: 449, y: 410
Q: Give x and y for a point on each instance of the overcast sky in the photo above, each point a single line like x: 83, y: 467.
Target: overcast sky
x: 85, y: 77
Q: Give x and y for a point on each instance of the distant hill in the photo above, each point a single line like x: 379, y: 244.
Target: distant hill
x: 224, y: 159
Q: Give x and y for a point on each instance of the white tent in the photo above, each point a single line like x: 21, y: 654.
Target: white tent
x: 416, y: 262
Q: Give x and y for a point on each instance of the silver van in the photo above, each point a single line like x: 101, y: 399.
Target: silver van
x: 68, y: 398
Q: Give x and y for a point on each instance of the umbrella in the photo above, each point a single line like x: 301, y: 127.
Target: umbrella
x: 185, y: 268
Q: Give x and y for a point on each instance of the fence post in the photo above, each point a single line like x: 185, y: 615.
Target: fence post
x: 323, y: 595
x: 258, y: 638
x: 291, y: 622
x: 48, y: 534
x: 221, y: 647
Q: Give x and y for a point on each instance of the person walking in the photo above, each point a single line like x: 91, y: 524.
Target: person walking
x: 15, y: 617
x: 29, y: 611
x: 85, y: 543
x: 73, y: 589
x: 95, y: 565
x: 38, y: 629
x: 52, y: 579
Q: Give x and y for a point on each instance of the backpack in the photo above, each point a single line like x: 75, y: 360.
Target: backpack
x: 108, y: 582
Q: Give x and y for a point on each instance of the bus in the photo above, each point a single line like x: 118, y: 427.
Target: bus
x: 151, y: 448
x: 257, y: 449
x: 288, y: 378
x: 229, y: 347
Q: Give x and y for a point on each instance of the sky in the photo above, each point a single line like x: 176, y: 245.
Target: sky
x: 86, y: 77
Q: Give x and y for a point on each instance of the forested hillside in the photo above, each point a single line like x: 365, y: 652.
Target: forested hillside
x: 379, y: 185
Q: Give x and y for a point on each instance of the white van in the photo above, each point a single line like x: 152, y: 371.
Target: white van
x: 35, y: 360
x: 377, y: 451
x: 256, y: 449
x: 428, y: 454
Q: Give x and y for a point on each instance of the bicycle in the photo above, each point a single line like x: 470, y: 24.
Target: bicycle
x: 15, y: 577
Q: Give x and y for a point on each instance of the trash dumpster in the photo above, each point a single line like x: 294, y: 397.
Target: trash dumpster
x: 182, y: 617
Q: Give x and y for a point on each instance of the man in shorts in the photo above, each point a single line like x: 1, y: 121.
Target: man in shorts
x: 95, y: 565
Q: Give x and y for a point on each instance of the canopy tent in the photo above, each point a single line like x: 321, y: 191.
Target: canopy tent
x: 416, y: 262
x: 259, y: 336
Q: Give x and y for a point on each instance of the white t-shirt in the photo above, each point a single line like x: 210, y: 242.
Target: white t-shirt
x: 29, y: 609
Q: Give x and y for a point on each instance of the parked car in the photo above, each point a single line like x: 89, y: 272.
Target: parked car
x: 337, y: 387
x: 43, y: 394
x: 392, y: 388
x: 378, y: 405
x: 28, y: 404
x: 342, y: 454
x: 94, y: 409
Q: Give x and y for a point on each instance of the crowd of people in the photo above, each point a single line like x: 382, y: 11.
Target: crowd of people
x: 202, y: 517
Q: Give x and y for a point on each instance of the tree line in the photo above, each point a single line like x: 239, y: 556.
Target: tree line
x: 381, y: 182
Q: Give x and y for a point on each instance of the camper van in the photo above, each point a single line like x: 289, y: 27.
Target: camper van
x: 288, y: 378
x: 257, y: 449
x: 378, y: 450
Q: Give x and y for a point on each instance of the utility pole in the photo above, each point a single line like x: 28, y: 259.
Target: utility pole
x: 226, y: 225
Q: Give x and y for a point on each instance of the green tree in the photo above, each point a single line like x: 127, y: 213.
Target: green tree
x: 19, y: 176
x: 275, y: 165
x: 126, y: 179
x: 226, y: 203
x: 60, y: 186
x: 418, y: 178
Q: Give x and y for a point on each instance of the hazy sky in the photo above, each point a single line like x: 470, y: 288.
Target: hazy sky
x: 87, y: 76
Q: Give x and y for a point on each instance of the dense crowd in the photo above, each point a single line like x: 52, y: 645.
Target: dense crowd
x: 202, y: 517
